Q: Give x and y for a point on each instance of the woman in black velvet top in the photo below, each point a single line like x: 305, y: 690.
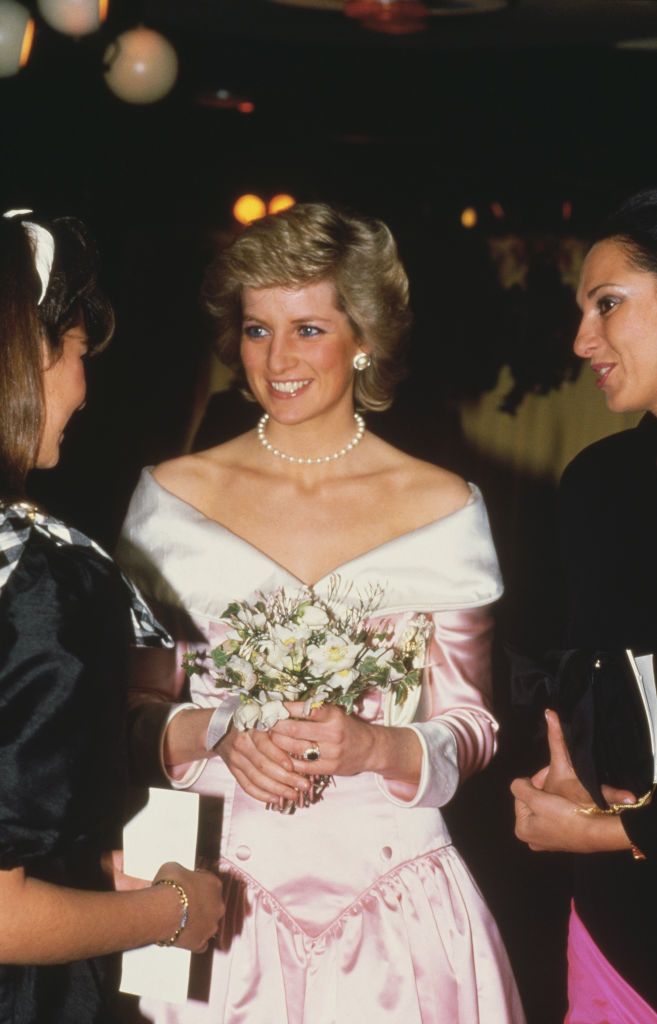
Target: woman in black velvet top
x: 67, y: 620
x: 609, y: 540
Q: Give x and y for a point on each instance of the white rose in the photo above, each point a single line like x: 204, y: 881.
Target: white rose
x: 263, y: 664
x: 322, y: 693
x: 246, y: 716
x: 290, y: 636
x: 313, y: 616
x: 278, y: 656
x: 270, y: 713
x: 343, y: 679
x: 291, y: 691
x: 244, y: 669
x: 333, y: 655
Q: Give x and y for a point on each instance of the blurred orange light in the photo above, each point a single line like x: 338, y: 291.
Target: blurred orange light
x: 249, y: 208
x: 498, y: 210
x: 26, y: 45
x: 103, y: 6
x: 469, y: 217
x: 566, y: 209
x: 246, y: 107
x: 281, y: 202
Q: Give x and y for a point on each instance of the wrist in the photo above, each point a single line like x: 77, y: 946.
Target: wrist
x: 182, y: 904
x: 185, y: 736
x: 605, y: 834
x: 378, y: 749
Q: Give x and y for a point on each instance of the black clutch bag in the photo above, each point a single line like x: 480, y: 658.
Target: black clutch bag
x: 607, y: 705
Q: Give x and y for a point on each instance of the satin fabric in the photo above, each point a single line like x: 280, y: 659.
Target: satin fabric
x: 358, y: 908
x: 597, y: 994
x: 65, y: 628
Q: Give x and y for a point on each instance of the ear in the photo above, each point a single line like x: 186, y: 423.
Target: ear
x: 46, y: 355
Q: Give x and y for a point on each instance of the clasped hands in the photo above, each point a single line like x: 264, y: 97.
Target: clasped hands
x: 269, y: 765
x: 549, y: 805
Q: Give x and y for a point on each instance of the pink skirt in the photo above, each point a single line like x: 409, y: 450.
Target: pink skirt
x: 597, y: 994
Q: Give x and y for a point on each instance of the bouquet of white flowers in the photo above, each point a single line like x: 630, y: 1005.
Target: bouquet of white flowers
x: 297, y: 646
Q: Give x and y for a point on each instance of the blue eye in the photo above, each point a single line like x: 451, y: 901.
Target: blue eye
x: 254, y: 331
x: 308, y: 331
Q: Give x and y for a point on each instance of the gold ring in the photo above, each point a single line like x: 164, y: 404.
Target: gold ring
x: 311, y: 753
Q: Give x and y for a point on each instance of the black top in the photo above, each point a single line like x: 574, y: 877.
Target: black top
x: 608, y: 506
x: 65, y: 631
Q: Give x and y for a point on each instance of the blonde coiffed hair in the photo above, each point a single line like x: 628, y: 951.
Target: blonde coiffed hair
x: 313, y: 242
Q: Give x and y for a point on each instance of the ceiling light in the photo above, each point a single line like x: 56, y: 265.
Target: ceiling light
x: 142, y: 66
x: 16, y: 35
x: 74, y: 17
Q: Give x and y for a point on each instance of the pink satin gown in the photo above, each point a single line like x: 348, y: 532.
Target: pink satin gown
x: 357, y: 910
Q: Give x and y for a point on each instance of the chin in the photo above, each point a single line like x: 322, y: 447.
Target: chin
x: 47, y: 460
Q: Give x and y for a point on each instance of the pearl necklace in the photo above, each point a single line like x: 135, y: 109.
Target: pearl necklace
x: 356, y: 439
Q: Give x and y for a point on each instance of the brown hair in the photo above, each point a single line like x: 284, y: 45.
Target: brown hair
x: 26, y: 326
x: 315, y: 242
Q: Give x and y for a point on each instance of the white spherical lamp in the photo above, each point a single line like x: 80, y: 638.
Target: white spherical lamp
x: 74, y: 17
x: 16, y: 35
x: 142, y: 66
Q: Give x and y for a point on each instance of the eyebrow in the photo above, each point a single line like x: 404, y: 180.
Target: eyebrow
x: 605, y: 284
x: 297, y: 320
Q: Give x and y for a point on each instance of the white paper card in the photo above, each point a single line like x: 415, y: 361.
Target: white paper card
x: 165, y: 829
x: 644, y: 673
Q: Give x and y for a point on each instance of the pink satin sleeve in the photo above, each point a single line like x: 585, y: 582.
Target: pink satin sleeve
x: 455, y: 726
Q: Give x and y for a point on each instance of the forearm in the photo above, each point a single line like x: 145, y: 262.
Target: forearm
x: 396, y: 754
x: 42, y: 923
x: 185, y: 738
x: 602, y: 834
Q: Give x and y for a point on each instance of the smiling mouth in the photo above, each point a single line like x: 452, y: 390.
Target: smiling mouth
x: 602, y: 371
x: 288, y: 387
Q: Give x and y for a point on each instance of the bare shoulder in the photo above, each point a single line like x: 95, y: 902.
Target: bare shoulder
x: 439, y: 491
x: 433, y: 492
x: 186, y: 475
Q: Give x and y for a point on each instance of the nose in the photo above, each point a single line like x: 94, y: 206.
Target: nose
x: 280, y: 354
x: 586, y: 339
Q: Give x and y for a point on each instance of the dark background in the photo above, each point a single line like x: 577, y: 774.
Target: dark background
x: 528, y: 107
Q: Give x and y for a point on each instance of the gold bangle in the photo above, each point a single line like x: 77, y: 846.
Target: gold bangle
x: 643, y: 801
x: 184, y: 903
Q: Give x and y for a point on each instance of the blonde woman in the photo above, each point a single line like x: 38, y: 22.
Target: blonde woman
x: 357, y: 907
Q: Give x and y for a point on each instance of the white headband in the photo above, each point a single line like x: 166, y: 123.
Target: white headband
x: 43, y: 248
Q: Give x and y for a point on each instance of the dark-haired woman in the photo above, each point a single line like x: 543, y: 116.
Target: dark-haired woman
x: 67, y: 621
x: 609, y: 517
x: 357, y: 908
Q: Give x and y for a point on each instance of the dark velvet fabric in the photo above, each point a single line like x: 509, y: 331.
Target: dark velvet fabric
x: 65, y: 631
x: 600, y: 710
x: 608, y: 505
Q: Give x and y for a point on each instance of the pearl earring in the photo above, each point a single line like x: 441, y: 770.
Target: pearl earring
x: 361, y: 361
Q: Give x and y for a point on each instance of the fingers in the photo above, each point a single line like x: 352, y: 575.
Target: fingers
x: 538, y: 780
x: 618, y: 796
x: 523, y: 789
x: 259, y: 767
x: 297, y: 709
x: 263, y: 742
x: 559, y: 756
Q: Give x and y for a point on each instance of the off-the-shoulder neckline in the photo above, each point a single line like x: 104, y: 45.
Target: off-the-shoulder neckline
x: 474, y: 499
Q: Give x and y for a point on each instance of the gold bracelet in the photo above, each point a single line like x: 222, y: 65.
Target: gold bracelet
x: 636, y: 852
x: 184, y: 903
x: 643, y: 801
